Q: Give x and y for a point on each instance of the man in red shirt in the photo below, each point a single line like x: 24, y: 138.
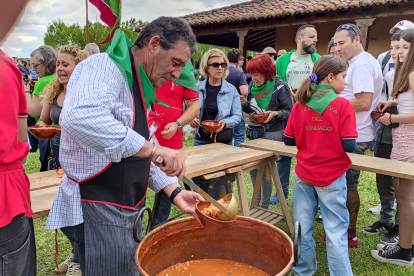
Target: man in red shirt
x: 169, y: 133
x: 17, y: 244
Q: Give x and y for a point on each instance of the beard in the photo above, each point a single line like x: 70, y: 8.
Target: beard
x: 308, y: 48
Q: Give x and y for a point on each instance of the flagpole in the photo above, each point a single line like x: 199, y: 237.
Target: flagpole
x: 87, y: 23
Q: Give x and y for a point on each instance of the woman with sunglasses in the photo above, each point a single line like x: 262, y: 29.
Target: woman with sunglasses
x: 43, y: 60
x: 268, y: 94
x: 219, y: 101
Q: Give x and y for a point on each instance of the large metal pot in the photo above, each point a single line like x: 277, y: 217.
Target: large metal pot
x: 247, y: 240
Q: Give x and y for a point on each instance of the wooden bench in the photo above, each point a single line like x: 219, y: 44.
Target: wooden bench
x: 360, y: 162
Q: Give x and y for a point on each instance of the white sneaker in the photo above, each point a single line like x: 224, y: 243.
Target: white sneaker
x: 74, y: 270
x: 375, y: 210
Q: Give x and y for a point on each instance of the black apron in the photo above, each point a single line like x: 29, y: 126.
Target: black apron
x: 123, y: 184
x: 110, y: 203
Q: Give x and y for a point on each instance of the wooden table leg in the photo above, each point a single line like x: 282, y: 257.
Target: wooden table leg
x: 257, y: 184
x: 242, y: 193
x: 280, y: 194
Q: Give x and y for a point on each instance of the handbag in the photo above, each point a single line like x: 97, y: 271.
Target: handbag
x: 225, y: 136
x: 255, y: 131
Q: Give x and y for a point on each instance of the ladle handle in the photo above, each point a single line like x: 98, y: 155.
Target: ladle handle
x: 297, y: 240
x: 149, y: 225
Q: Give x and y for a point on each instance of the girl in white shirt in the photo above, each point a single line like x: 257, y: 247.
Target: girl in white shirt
x: 403, y: 150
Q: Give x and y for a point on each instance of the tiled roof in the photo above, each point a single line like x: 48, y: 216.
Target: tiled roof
x: 269, y: 9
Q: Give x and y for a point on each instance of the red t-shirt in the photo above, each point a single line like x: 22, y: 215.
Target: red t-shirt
x: 174, y: 95
x: 321, y: 158
x: 14, y: 184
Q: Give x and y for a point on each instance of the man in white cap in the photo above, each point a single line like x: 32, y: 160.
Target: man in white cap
x: 384, y: 59
x: 271, y: 52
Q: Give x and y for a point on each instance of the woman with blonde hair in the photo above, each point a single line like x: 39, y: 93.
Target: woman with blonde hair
x: 52, y: 100
x: 219, y: 101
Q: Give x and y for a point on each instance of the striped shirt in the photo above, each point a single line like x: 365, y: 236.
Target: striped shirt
x: 96, y: 123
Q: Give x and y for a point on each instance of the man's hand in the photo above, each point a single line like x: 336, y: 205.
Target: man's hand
x: 222, y: 125
x: 169, y: 130
x: 173, y: 164
x: 195, y: 123
x: 186, y: 201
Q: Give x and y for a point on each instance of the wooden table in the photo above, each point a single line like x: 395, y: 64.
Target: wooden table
x: 359, y: 162
x: 43, y: 189
x: 207, y: 161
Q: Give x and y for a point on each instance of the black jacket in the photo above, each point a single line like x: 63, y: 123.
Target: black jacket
x: 281, y: 101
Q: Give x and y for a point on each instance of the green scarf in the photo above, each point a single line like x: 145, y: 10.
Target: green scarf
x: 118, y: 51
x: 187, y: 78
x: 263, y: 94
x: 322, y: 96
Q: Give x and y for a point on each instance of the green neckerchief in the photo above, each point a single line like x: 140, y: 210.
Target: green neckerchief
x: 187, y: 78
x: 118, y: 51
x: 263, y: 94
x: 322, y: 96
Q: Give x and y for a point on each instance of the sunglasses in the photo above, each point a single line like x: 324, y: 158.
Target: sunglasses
x: 217, y: 65
x: 346, y: 27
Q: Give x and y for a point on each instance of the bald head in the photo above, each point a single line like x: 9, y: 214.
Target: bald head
x: 92, y: 48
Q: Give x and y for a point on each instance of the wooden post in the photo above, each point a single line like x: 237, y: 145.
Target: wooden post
x: 87, y: 23
x: 365, y: 27
x: 276, y: 40
x: 243, y: 36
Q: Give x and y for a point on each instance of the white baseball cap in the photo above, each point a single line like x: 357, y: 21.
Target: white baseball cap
x: 402, y: 25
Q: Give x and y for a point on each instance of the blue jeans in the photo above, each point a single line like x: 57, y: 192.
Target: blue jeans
x: 215, y: 191
x: 76, y: 234
x: 164, y: 209
x: 41, y: 142
x: 332, y: 200
x: 238, y: 133
x: 283, y: 169
x: 18, y: 248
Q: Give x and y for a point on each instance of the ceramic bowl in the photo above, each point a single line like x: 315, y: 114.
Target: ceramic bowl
x: 258, y: 118
x: 44, y: 132
x: 211, y: 125
x: 376, y: 115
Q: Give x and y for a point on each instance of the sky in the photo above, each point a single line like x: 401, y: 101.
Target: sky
x: 29, y: 31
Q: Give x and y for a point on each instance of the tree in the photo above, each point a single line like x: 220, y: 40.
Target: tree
x: 59, y: 33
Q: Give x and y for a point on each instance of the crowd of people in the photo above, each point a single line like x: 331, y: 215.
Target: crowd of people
x: 117, y: 138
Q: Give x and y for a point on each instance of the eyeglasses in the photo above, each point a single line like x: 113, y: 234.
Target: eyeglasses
x: 346, y: 27
x: 35, y: 66
x: 217, y: 65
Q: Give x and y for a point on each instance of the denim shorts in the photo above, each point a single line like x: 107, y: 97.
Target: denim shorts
x: 352, y: 175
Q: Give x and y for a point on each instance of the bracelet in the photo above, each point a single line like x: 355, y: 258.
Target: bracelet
x: 152, y: 153
x: 175, y: 193
x: 390, y: 119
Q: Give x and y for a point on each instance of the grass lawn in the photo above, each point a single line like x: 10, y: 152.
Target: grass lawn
x: 361, y: 260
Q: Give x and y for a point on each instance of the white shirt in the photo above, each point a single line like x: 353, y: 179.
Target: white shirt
x: 388, y: 67
x: 299, y: 68
x: 364, y: 76
x: 405, y: 102
x: 389, y: 82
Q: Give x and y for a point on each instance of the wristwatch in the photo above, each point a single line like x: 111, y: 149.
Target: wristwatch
x: 175, y: 193
x: 180, y: 127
